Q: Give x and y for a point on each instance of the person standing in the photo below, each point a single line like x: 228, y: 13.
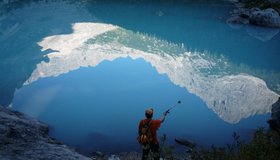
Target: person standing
x: 151, y: 138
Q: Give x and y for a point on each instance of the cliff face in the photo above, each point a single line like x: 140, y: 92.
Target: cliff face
x: 22, y: 137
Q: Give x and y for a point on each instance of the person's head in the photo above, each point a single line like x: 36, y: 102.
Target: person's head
x: 149, y: 113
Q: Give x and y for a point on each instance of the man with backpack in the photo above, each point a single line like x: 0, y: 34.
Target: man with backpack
x: 147, y: 134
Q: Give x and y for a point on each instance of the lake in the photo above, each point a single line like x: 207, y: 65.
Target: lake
x: 89, y: 69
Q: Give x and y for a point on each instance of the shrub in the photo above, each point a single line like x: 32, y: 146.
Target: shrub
x: 262, y: 4
x: 264, y: 145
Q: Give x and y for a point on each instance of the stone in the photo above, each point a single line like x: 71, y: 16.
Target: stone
x: 255, y: 16
x: 238, y: 20
x: 267, y: 18
x: 22, y: 137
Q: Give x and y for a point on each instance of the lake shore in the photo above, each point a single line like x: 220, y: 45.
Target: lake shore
x: 263, y: 13
x: 23, y: 137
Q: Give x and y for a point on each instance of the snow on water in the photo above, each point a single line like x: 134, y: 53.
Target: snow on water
x: 231, y: 97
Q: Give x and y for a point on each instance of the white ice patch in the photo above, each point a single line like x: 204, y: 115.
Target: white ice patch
x: 232, y: 97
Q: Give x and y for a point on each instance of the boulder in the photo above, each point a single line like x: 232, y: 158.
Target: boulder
x: 267, y: 18
x: 255, y: 16
x: 185, y: 142
x: 238, y: 20
x: 22, y: 137
x: 239, y: 16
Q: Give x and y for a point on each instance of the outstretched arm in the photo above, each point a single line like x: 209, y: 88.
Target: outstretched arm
x: 163, y: 116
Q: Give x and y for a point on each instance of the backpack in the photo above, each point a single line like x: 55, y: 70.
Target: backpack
x: 145, y: 134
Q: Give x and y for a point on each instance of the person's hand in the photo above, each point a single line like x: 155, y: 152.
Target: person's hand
x: 166, y: 112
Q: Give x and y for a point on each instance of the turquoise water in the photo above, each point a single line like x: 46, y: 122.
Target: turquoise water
x: 89, y: 69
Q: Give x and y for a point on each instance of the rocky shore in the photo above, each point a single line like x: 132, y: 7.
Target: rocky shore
x: 243, y: 14
x: 22, y: 137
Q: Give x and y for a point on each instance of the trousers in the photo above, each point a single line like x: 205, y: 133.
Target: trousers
x: 153, y: 148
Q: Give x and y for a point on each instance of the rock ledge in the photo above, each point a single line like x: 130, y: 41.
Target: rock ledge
x: 22, y: 137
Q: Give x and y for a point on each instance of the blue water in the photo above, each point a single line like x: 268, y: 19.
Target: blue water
x: 100, y: 107
x: 95, y: 104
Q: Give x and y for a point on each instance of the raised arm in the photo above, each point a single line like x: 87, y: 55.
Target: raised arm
x: 163, y: 116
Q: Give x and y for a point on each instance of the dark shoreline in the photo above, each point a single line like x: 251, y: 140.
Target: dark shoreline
x: 22, y: 137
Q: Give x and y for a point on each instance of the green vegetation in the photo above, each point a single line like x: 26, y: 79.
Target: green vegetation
x: 264, y: 145
x: 262, y: 4
x: 166, y: 152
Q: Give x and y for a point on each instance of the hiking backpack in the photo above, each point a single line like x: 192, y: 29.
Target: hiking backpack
x: 145, y: 134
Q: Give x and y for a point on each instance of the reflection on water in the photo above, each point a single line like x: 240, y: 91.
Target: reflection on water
x: 81, y: 65
x: 232, y: 97
x: 263, y: 34
x: 98, y: 108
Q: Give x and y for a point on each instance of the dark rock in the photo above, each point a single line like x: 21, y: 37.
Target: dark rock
x: 274, y: 122
x: 244, y: 15
x: 267, y: 18
x: 239, y: 16
x: 254, y: 10
x: 263, y: 30
x: 238, y: 20
x: 22, y: 137
x: 255, y: 16
x: 185, y: 142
